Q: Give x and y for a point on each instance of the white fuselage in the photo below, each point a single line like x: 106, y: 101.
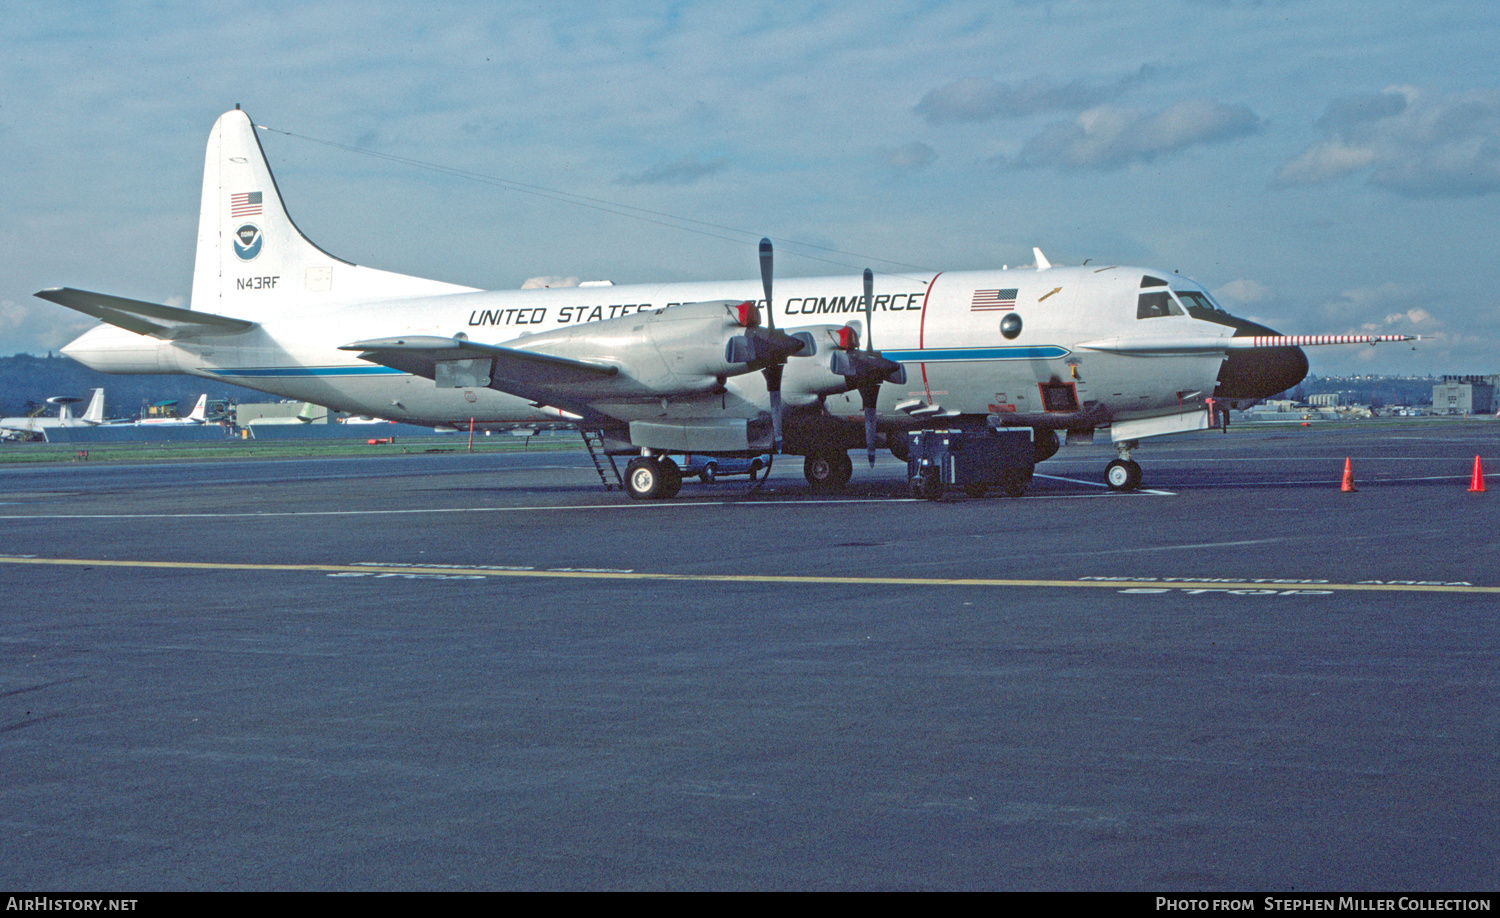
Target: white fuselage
x: 944, y: 328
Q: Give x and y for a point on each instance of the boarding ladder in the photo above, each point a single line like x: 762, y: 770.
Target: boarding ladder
x: 604, y: 463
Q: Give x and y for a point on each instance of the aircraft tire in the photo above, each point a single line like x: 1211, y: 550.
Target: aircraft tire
x: 755, y: 466
x: 1123, y: 475
x: 826, y: 471
x: 644, y: 479
x: 1045, y: 444
x: 671, y: 483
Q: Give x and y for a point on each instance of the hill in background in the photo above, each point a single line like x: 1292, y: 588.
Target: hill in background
x: 26, y: 381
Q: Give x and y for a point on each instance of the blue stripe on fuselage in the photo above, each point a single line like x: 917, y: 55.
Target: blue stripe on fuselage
x: 302, y: 372
x: 948, y: 354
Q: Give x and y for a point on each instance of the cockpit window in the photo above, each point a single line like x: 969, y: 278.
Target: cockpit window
x: 1197, y: 299
x: 1155, y: 304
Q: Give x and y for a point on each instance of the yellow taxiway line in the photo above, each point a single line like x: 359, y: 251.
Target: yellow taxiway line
x: 476, y: 571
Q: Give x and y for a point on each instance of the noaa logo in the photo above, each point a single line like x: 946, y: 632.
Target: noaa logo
x: 247, y: 240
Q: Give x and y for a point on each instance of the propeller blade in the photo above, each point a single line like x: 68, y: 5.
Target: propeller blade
x: 773, y: 387
x: 869, y: 312
x: 773, y: 370
x: 869, y: 395
x: 765, y: 280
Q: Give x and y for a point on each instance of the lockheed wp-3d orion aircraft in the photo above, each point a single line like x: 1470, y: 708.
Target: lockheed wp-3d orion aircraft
x: 731, y: 368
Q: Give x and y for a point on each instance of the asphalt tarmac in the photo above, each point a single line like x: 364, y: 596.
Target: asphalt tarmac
x: 452, y: 671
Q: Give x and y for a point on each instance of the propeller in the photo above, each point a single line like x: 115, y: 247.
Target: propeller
x: 773, y: 369
x: 867, y: 370
x: 765, y: 349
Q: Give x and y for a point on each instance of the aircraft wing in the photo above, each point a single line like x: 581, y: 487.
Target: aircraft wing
x: 455, y: 363
x: 143, y: 318
x: 425, y: 355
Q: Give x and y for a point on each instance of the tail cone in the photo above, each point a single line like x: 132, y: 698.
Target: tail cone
x: 1348, y: 485
x: 1477, y: 483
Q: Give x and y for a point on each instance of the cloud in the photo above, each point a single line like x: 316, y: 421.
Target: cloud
x: 1417, y: 144
x: 1388, y: 308
x: 684, y: 171
x: 44, y: 329
x: 1241, y: 292
x: 981, y: 99
x: 1414, y: 318
x: 915, y: 155
x: 1109, y: 137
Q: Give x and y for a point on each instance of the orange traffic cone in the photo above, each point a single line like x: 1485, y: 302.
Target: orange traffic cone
x: 1477, y: 484
x: 1348, y: 485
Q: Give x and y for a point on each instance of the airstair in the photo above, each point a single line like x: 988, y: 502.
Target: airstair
x: 604, y: 463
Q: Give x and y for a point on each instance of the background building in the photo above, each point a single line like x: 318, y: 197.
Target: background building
x: 1464, y: 395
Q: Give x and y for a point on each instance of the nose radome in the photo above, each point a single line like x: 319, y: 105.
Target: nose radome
x: 1260, y: 373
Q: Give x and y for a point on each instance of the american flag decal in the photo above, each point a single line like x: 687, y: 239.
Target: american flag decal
x: 244, y: 204
x: 985, y: 300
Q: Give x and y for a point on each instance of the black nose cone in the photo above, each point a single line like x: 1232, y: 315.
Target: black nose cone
x: 1261, y: 373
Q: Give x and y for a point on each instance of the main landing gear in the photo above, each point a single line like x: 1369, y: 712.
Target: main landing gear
x: 653, y: 478
x: 828, y: 471
x: 1123, y: 474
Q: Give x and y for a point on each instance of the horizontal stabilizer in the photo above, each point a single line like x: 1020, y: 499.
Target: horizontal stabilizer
x: 425, y: 355
x: 1205, y: 343
x: 144, y: 318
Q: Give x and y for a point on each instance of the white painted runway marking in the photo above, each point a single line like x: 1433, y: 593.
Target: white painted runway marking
x: 1133, y: 550
x: 1099, y: 484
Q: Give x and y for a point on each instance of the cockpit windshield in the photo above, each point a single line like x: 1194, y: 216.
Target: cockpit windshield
x: 1154, y: 303
x: 1197, y: 299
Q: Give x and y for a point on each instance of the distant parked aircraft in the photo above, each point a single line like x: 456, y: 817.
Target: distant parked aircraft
x: 31, y: 428
x: 198, y: 415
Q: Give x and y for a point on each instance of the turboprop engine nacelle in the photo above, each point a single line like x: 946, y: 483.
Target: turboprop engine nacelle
x: 692, y: 347
x: 813, y: 373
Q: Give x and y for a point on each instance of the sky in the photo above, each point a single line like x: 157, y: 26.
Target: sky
x: 1322, y: 166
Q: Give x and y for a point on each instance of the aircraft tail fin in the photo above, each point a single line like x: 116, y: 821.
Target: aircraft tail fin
x: 311, y: 413
x: 94, y: 414
x: 200, y: 409
x: 252, y: 260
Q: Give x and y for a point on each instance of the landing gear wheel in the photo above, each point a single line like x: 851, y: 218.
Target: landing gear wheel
x: 755, y: 466
x: 646, y: 478
x: 928, y: 485
x: 826, y: 471
x: 671, y: 479
x: 1123, y: 475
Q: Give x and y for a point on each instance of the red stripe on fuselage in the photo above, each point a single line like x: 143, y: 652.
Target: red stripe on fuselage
x: 922, y: 334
